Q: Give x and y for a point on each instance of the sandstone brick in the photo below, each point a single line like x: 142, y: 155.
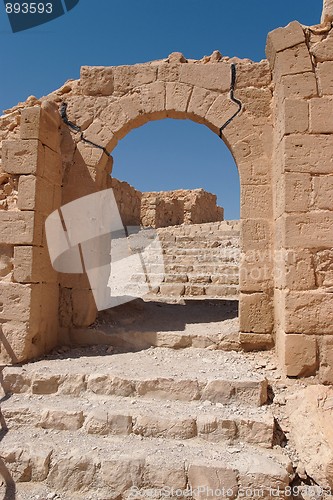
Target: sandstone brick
x: 256, y: 202
x: 127, y: 78
x: 321, y: 115
x: 308, y: 312
x: 256, y: 234
x: 308, y: 153
x: 323, y: 51
x: 215, y: 429
x: 292, y: 61
x: 220, y: 111
x: 115, y: 117
x: 215, y: 479
x: 171, y: 473
x: 62, y: 420
x: 295, y: 117
x: 324, y: 73
x: 41, y: 124
x: 253, y: 74
x: 256, y: 271
x: 308, y: 230
x: 35, y: 194
x: 215, y: 77
x: 300, y: 355
x: 300, y: 86
x: 121, y: 474
x: 283, y: 38
x: 224, y: 391
x: 177, y: 97
x: 168, y: 72
x: 168, y: 388
x: 256, y: 313
x: 294, y: 193
x: 33, y: 265
x: 96, y: 80
x: 72, y: 473
x: 23, y: 157
x: 256, y: 341
x: 20, y: 228
x: 152, y: 100
x: 84, y: 307
x: 323, y: 192
x: 194, y: 290
x: 200, y: 102
x: 326, y: 360
x: 52, y: 167
x: 45, y: 383
x: 172, y: 290
x: 166, y: 427
x: 105, y: 423
x: 16, y: 301
x: 296, y: 270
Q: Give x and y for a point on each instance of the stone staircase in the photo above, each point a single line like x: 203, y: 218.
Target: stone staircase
x: 201, y: 260
x: 156, y: 423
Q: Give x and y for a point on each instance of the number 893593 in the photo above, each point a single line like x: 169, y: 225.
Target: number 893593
x: 29, y: 8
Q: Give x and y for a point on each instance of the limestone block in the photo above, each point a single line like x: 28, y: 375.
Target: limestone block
x: 324, y: 72
x: 23, y: 157
x: 256, y: 234
x: 216, y: 429
x: 220, y: 111
x: 211, y: 77
x: 62, y: 420
x: 300, y: 86
x: 323, y: 51
x: 96, y: 80
x: 294, y: 117
x: 169, y: 474
x: 200, y: 102
x: 35, y: 194
x: 41, y: 124
x: 152, y: 100
x: 52, y: 167
x: 321, y: 115
x: 256, y: 202
x: 256, y: 172
x: 16, y: 301
x: 44, y: 383
x: 16, y: 347
x: 122, y: 472
x: 256, y: 341
x: 323, y: 192
x: 257, y: 102
x: 295, y: 270
x: 256, y: 313
x: 256, y: 271
x: 250, y: 74
x: 308, y: 153
x: 194, y: 290
x: 310, y: 415
x: 177, y: 97
x: 283, y: 38
x: 105, y: 423
x: 168, y: 388
x: 166, y: 427
x: 308, y: 230
x: 20, y: 228
x: 131, y: 105
x: 114, y: 116
x: 326, y: 360
x: 84, y: 307
x: 173, y: 290
x: 127, y: 78
x: 102, y: 384
x: 168, y: 72
x: 6, y: 260
x: 308, y: 312
x: 72, y: 473
x: 294, y: 192
x: 292, y: 61
x: 300, y: 358
x: 33, y: 265
x: 212, y: 479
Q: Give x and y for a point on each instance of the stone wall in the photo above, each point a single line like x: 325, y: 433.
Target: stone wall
x: 172, y: 208
x: 128, y: 200
x: 302, y: 63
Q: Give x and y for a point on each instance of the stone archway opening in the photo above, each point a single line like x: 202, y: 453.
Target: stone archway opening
x: 196, y: 300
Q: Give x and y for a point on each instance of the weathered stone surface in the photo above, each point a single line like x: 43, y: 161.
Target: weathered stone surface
x: 214, y: 479
x: 321, y: 121
x: 96, y: 80
x: 310, y: 415
x: 324, y: 72
x: 323, y: 51
x: 283, y: 38
x: 105, y: 423
x: 300, y: 355
x: 61, y: 420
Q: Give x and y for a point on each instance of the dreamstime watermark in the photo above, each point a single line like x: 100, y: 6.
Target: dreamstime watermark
x: 25, y: 15
x: 88, y: 235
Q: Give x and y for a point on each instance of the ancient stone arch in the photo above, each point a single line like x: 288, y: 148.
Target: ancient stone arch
x: 282, y: 149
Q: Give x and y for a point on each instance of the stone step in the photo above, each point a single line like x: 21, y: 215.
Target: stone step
x: 139, y: 325
x: 103, y: 468
x: 159, y: 373
x: 148, y: 418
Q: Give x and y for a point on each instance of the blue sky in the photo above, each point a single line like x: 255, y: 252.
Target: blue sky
x: 160, y: 155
